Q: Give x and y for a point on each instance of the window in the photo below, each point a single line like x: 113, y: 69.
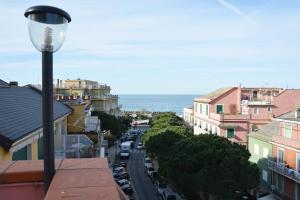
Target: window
x: 206, y: 109
x: 255, y: 94
x: 288, y: 130
x: 200, y: 108
x: 206, y: 127
x: 298, y: 163
x: 230, y: 132
x: 280, y: 156
x: 266, y: 152
x: 256, y: 149
x: 264, y: 175
x: 200, y: 124
x: 216, y: 130
x: 255, y: 110
x: 219, y: 109
x: 21, y: 154
x: 195, y: 107
x: 269, y: 109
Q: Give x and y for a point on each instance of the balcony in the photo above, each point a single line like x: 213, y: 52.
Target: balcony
x: 285, y: 171
x: 279, y: 139
x: 229, y: 117
x: 258, y: 102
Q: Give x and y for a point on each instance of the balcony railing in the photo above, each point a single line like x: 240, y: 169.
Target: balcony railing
x: 222, y: 117
x: 283, y: 170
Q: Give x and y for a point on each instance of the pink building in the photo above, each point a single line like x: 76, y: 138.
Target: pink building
x: 233, y: 111
x: 285, y: 166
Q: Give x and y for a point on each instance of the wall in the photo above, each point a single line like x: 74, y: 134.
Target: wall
x: 261, y: 162
x: 76, y: 119
x: 286, y: 101
x: 229, y: 102
x: 4, y: 155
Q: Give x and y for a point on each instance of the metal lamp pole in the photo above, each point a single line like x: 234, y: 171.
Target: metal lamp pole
x: 47, y: 29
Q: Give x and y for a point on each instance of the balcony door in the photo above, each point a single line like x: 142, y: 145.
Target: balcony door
x: 280, y: 156
x: 298, y: 163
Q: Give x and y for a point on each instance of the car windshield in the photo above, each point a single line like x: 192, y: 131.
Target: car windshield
x: 148, y: 161
x: 171, y: 197
x: 150, y: 169
x: 124, y: 151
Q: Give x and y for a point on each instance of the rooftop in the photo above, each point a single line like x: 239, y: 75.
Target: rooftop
x: 21, y: 113
x: 267, y: 132
x: 87, y: 178
x: 290, y: 116
x: 215, y: 94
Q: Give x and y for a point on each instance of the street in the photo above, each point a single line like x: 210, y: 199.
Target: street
x: 143, y: 188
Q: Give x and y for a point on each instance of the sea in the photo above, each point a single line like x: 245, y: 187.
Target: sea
x: 156, y: 103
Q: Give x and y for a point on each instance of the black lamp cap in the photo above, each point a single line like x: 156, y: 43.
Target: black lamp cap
x: 47, y: 9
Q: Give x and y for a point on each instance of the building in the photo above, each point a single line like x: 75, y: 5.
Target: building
x: 97, y: 94
x: 232, y: 112
x: 84, y: 178
x: 285, y: 165
x: 21, y: 122
x: 261, y: 150
x: 188, y: 116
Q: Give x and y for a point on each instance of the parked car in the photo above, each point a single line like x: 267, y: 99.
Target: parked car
x: 127, y: 190
x: 150, y: 171
x: 148, y: 162
x: 123, y: 175
x: 140, y: 146
x: 120, y: 164
x: 168, y: 195
x: 119, y: 170
x: 161, y: 187
x: 153, y: 177
x: 124, y: 183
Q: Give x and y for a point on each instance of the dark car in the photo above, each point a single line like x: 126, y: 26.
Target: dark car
x: 128, y: 190
x: 123, y: 175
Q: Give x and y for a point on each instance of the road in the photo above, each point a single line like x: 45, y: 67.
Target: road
x: 143, y: 188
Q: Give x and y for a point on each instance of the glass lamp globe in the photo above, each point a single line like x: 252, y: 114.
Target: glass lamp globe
x: 47, y: 27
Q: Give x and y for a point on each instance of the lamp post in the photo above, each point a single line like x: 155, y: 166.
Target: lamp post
x: 47, y: 29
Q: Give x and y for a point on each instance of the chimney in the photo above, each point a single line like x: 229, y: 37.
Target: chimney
x: 13, y: 84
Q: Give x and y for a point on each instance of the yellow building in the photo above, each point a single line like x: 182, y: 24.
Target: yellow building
x: 97, y: 94
x: 21, y: 122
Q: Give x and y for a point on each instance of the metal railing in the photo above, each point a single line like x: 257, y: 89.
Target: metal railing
x: 283, y: 170
x: 73, y: 146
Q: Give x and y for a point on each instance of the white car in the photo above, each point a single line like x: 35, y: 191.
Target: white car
x: 123, y: 183
x: 150, y: 171
x: 147, y: 163
x: 140, y: 146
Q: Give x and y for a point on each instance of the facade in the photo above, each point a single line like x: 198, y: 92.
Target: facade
x: 97, y: 94
x: 232, y: 112
x: 21, y: 122
x: 261, y: 150
x: 285, y: 165
x: 188, y: 116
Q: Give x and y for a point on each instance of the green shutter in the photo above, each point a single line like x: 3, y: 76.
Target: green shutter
x: 40, y: 149
x: 230, y: 133
x: 20, y: 154
x: 219, y: 109
x: 280, y: 183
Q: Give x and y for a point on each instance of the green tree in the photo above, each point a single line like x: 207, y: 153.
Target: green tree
x: 109, y: 122
x: 209, y: 164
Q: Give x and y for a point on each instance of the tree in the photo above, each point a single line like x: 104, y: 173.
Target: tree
x: 109, y: 122
x: 208, y: 164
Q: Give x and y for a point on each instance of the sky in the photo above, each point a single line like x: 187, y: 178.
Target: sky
x: 162, y: 46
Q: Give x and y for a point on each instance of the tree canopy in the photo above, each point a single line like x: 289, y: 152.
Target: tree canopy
x: 199, y: 165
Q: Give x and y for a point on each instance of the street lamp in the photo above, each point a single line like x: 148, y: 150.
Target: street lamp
x: 47, y: 29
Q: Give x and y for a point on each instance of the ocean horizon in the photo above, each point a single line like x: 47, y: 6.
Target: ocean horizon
x: 156, y: 102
